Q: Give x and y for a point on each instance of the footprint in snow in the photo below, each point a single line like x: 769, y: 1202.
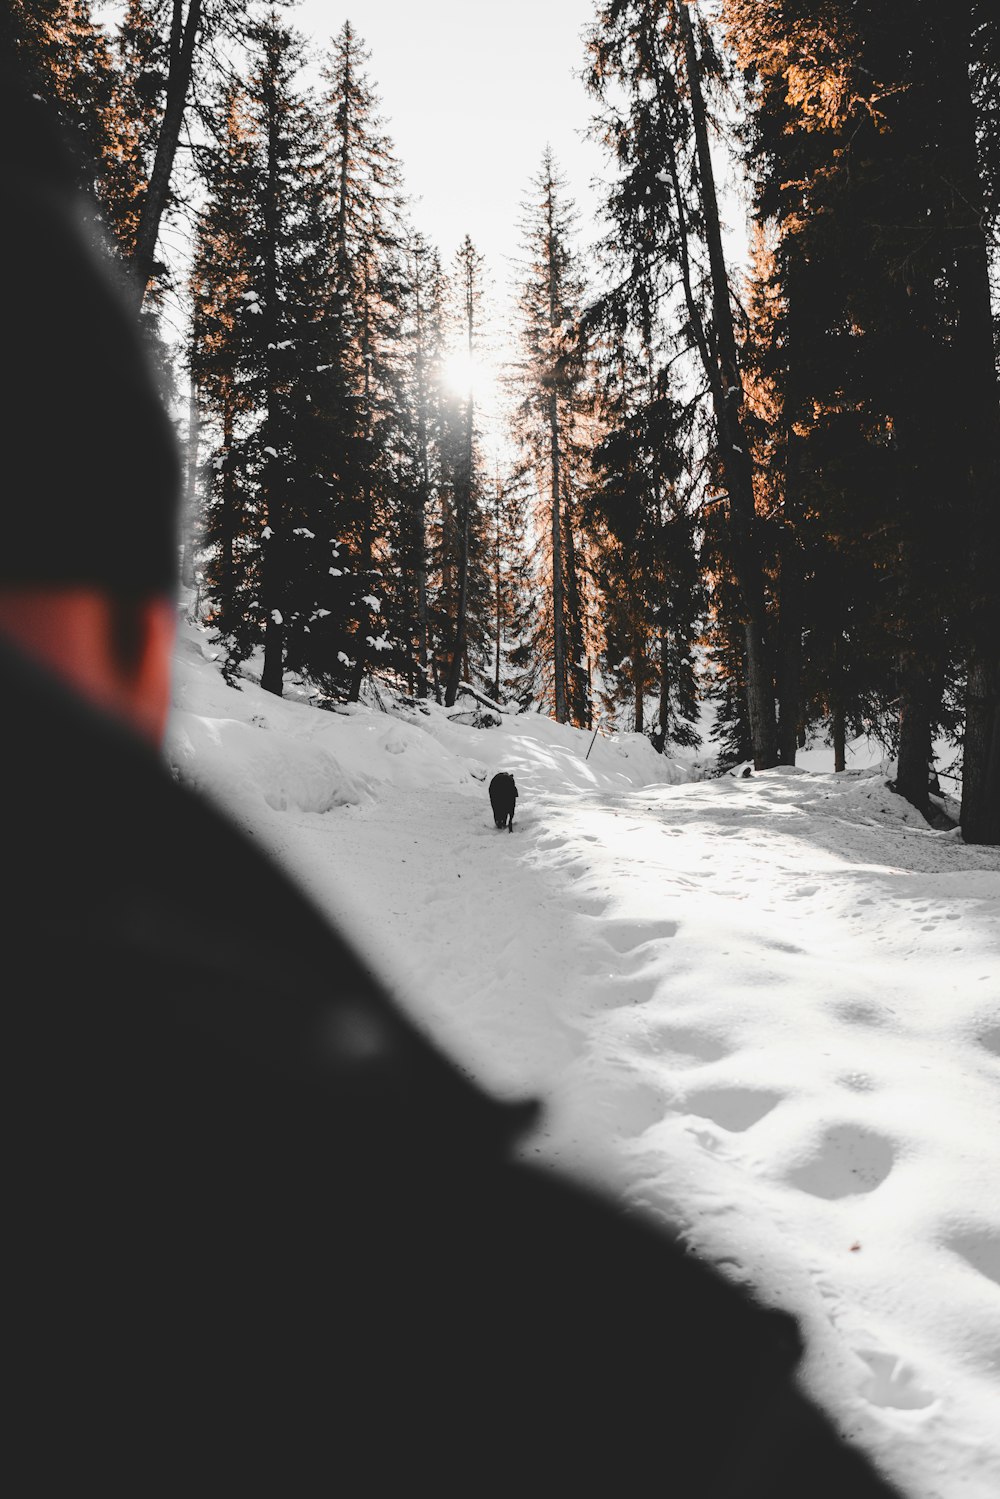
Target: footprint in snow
x: 859, y: 1012
x: 858, y: 1082
x: 849, y: 1160
x: 683, y: 1044
x: 632, y: 992
x: 892, y: 1383
x: 626, y: 936
x: 991, y: 1040
x: 733, y: 1109
x: 980, y: 1248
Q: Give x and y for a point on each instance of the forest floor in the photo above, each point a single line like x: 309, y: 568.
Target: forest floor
x: 766, y: 1010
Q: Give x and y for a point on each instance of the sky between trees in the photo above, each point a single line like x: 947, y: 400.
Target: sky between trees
x: 471, y: 94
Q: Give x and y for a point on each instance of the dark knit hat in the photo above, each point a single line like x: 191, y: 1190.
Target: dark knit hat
x: 89, y: 468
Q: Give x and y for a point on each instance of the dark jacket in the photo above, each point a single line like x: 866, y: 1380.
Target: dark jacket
x: 268, y: 1240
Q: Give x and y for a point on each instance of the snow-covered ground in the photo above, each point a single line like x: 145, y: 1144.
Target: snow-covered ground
x: 767, y: 1009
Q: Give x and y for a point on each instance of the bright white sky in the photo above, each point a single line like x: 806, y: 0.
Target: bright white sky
x: 471, y: 93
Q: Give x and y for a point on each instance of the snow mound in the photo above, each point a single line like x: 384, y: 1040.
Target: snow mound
x: 391, y: 751
x: 549, y: 757
x: 243, y: 764
x: 408, y: 747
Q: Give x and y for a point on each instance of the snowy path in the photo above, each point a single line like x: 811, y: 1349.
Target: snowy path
x: 766, y: 1009
x: 779, y: 1004
x: 814, y: 1034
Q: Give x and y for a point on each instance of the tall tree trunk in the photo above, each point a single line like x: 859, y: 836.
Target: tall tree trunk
x: 227, y: 582
x: 555, y: 468
x: 272, y: 676
x: 663, y: 713
x: 981, y: 758
x: 838, y: 705
x: 464, y: 497
x: 790, y: 659
x: 365, y: 624
x: 465, y: 507
x: 423, y: 631
x: 578, y: 706
x: 839, y: 735
x: 921, y: 679
x: 978, y: 455
x: 915, y: 710
x: 189, y: 520
x: 920, y: 676
x: 183, y: 37
x: 726, y: 386
x: 558, y: 601
x: 790, y: 609
x: 423, y: 492
x: 497, y: 583
x: 639, y: 678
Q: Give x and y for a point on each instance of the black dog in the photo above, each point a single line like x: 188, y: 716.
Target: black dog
x: 503, y: 795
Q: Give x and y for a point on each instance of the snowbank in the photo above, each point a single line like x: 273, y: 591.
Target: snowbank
x: 251, y: 748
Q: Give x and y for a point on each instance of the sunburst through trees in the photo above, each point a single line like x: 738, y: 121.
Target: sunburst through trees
x: 644, y: 478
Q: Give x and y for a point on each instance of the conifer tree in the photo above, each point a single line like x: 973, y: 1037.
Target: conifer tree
x: 263, y: 275
x: 177, y: 43
x: 223, y: 307
x: 368, y: 235
x: 865, y: 134
x: 640, y: 510
x: 551, y: 376
x: 512, y: 592
x: 668, y: 232
x: 64, y: 56
x: 420, y: 479
x: 465, y: 478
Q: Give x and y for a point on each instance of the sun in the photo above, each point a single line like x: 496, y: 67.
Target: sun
x: 464, y: 375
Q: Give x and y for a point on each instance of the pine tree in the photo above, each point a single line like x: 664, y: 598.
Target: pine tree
x: 65, y: 57
x: 367, y: 311
x: 420, y: 476
x: 866, y: 128
x: 466, y: 480
x: 224, y: 307
x: 512, y: 596
x: 263, y: 280
x: 640, y: 511
x: 551, y: 376
x: 667, y: 230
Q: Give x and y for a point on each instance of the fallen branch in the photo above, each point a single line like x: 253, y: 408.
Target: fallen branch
x: 487, y: 702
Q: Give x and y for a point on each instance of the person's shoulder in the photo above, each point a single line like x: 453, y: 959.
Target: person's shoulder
x: 152, y: 925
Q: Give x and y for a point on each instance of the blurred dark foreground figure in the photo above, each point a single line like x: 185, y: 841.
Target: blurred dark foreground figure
x: 266, y: 1239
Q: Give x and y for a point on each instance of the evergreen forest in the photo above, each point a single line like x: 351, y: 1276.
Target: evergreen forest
x: 769, y: 485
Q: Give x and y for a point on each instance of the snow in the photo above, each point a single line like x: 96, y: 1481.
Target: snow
x: 765, y: 1009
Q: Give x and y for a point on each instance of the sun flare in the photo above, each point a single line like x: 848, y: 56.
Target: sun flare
x: 464, y: 375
